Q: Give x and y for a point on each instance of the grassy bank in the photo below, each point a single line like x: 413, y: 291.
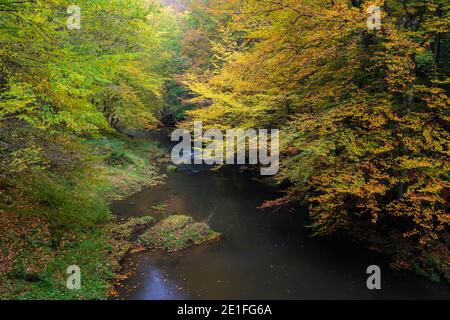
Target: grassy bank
x: 52, y: 219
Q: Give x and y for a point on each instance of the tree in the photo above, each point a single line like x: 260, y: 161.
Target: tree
x: 363, y: 113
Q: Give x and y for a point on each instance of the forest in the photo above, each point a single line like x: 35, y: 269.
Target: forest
x: 363, y: 115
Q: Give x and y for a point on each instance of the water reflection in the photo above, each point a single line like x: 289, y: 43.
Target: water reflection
x: 152, y: 283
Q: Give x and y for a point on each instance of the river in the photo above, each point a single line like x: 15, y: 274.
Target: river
x: 264, y: 254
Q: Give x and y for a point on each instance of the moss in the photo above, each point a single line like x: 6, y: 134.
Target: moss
x: 124, y: 231
x: 171, y: 168
x: 177, y: 233
x: 160, y: 207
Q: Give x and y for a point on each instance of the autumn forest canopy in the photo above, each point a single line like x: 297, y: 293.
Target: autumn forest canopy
x: 363, y: 114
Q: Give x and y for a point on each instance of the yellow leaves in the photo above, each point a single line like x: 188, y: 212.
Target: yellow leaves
x: 25, y: 158
x: 375, y: 187
x: 67, y: 73
x: 363, y: 130
x: 423, y: 205
x: 417, y: 163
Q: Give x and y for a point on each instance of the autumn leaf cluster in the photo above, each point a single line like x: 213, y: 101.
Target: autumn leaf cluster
x: 364, y: 114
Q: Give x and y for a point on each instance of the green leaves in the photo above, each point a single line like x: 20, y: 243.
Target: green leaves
x: 120, y: 48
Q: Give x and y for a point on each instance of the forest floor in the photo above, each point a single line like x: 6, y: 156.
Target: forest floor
x: 36, y: 252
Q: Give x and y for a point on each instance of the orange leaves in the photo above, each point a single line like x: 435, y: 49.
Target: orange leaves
x: 363, y: 114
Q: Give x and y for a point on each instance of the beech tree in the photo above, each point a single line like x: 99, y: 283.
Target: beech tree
x: 363, y: 113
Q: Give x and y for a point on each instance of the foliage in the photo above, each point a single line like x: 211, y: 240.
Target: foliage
x: 131, y: 164
x: 50, y: 220
x: 177, y: 233
x: 364, y: 114
x: 61, y: 93
x: 110, y: 71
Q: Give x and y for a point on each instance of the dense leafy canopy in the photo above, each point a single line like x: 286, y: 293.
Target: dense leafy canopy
x: 111, y: 69
x: 364, y: 113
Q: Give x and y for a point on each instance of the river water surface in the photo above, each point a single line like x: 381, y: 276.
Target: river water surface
x: 264, y: 254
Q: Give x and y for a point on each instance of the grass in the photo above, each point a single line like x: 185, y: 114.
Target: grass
x: 38, y: 264
x: 91, y: 254
x: 177, y: 233
x: 50, y: 221
x: 131, y: 163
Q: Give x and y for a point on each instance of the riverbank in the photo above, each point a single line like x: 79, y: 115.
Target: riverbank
x: 66, y: 220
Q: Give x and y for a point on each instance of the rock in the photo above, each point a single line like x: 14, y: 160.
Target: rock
x: 177, y: 233
x: 243, y: 169
x: 171, y: 168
